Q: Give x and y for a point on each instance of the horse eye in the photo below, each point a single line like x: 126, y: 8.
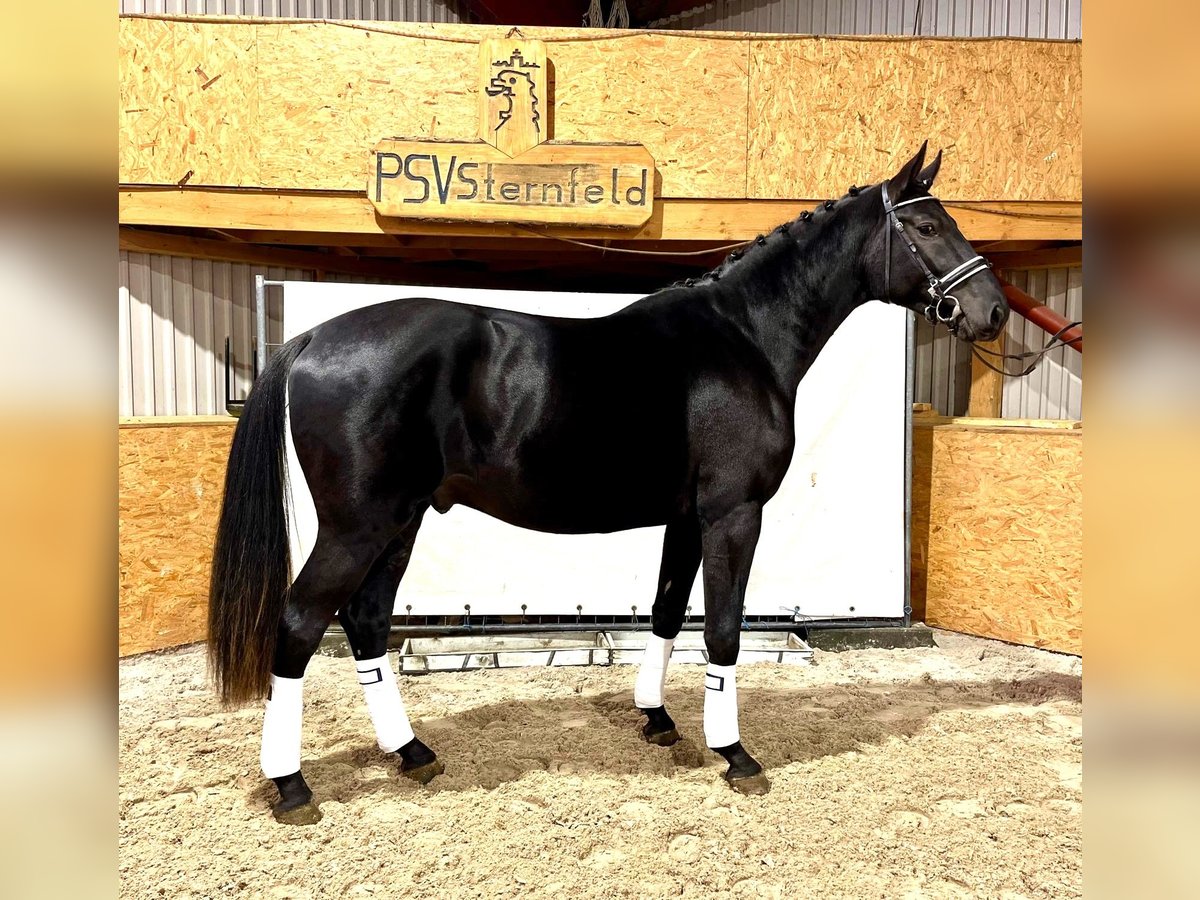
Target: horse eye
x: 927, y: 230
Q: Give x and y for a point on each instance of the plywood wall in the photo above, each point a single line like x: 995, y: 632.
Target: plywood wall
x: 298, y: 106
x: 996, y: 550
x: 1008, y: 114
x: 170, y: 479
x: 998, y: 532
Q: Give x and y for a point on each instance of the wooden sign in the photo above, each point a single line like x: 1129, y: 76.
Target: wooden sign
x: 513, y: 172
x: 603, y: 184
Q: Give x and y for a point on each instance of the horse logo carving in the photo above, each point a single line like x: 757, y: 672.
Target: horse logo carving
x: 518, y: 88
x: 514, y: 88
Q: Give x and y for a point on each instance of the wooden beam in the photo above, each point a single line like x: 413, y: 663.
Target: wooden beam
x: 673, y: 219
x: 1047, y: 258
x: 401, y: 243
x: 462, y: 273
x: 987, y: 385
x: 990, y: 424
x: 139, y: 240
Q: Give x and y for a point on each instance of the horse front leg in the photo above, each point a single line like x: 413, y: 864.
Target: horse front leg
x: 680, y: 561
x: 728, y: 545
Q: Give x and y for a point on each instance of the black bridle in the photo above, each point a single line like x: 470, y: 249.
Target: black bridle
x: 943, y: 306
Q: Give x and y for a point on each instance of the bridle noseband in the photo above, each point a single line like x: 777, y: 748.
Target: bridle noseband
x: 943, y: 306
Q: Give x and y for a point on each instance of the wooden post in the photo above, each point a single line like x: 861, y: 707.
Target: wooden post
x: 987, y: 387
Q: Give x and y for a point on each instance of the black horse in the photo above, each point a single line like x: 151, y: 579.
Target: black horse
x: 675, y: 410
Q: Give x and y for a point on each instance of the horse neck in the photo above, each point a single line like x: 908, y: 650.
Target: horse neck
x: 791, y: 301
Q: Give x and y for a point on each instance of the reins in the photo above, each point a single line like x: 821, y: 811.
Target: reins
x: 1056, y: 341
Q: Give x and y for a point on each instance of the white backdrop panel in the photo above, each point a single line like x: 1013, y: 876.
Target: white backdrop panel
x: 832, y: 539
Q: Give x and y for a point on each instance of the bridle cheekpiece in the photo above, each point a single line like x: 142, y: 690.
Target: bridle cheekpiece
x: 943, y: 306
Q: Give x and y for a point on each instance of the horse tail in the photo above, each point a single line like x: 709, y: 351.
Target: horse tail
x: 251, y: 564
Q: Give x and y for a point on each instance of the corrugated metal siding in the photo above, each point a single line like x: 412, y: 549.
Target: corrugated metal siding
x: 1055, y: 389
x: 1054, y: 19
x: 173, y: 316
x: 370, y: 10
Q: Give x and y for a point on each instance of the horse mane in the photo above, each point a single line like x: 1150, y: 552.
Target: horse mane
x: 755, y: 252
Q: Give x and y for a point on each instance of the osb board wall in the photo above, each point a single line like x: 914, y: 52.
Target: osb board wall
x: 298, y: 105
x: 1008, y: 114
x: 169, y: 495
x: 998, y: 532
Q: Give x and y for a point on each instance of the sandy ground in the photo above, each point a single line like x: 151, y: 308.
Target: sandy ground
x: 942, y: 772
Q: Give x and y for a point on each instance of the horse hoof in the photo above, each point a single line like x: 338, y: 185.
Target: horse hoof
x: 661, y: 738
x: 305, y: 814
x: 426, y: 773
x: 752, y: 785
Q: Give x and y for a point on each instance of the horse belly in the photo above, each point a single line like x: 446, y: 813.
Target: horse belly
x: 586, y: 493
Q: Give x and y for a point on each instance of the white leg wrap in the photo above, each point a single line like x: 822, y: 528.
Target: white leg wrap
x: 281, y: 727
x: 652, y: 675
x: 383, y: 702
x: 720, y: 706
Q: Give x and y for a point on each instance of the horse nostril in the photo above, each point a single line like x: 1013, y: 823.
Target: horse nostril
x: 997, y: 316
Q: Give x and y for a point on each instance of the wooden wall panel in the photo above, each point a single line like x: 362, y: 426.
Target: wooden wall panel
x: 996, y: 541
x: 329, y: 94
x: 170, y: 479
x: 828, y: 113
x: 1004, y: 545
x: 147, y: 113
x: 684, y: 98
x: 217, y: 69
x: 298, y: 106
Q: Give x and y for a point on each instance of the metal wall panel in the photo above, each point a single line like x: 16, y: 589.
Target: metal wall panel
x: 1055, y: 389
x: 1054, y: 19
x: 370, y: 10
x: 173, y: 317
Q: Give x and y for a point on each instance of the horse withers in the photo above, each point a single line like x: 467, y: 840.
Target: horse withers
x: 419, y: 403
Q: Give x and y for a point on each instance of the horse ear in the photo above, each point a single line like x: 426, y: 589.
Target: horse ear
x: 907, y: 176
x: 929, y: 173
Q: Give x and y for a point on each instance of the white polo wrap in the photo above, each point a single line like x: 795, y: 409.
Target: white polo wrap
x: 720, y: 706
x: 281, y: 727
x: 392, y: 728
x: 652, y: 675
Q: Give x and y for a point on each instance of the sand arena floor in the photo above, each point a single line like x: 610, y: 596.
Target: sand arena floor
x: 948, y: 772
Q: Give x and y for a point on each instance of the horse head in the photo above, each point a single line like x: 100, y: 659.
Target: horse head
x: 918, y: 258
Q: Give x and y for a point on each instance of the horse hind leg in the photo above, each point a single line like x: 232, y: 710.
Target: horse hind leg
x: 680, y: 561
x: 333, y: 572
x: 366, y: 620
